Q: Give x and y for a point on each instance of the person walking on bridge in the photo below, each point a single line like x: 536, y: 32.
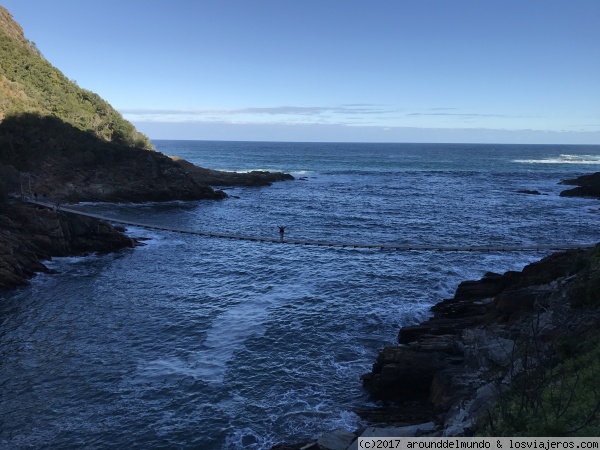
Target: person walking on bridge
x: 281, y: 231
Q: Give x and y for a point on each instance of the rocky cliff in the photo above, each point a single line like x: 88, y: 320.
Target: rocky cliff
x: 29, y: 235
x: 459, y: 360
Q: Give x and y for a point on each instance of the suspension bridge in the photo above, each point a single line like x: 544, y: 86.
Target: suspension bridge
x: 393, y: 247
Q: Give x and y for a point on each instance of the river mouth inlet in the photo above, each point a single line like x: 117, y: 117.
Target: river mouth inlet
x: 191, y: 342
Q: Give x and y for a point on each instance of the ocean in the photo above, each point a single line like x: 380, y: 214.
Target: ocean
x: 192, y: 342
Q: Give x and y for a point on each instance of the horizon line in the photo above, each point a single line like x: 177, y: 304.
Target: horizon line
x: 369, y: 142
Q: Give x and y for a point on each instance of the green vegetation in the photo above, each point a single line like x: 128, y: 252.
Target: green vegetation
x: 31, y: 87
x: 558, y: 400
x: 61, y: 134
x: 555, y: 391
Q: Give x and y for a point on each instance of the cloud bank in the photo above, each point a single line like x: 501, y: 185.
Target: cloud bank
x: 357, y: 122
x: 226, y: 131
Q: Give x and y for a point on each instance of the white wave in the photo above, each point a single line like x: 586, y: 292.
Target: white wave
x: 149, y: 236
x: 249, y: 170
x: 228, y: 334
x: 347, y: 420
x: 248, y: 438
x: 272, y: 170
x: 562, y: 159
x: 57, y: 261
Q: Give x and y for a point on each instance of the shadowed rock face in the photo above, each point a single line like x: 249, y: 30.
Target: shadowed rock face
x: 29, y: 235
x: 454, y: 358
x: 71, y: 165
x: 68, y: 164
x: 146, y: 178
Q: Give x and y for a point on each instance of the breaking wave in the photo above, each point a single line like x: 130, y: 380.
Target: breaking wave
x: 562, y: 159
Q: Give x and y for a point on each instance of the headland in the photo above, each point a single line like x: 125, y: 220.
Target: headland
x: 66, y: 144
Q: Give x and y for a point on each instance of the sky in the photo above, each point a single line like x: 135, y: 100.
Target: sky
x: 509, y: 71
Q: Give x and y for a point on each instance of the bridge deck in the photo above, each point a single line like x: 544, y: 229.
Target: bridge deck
x: 396, y: 247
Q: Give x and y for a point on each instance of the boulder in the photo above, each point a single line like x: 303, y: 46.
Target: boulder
x: 488, y: 286
x: 511, y: 303
x: 336, y: 440
x: 404, y: 373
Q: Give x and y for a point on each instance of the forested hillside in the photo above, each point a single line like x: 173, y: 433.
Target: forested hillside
x: 72, y: 144
x: 30, y: 84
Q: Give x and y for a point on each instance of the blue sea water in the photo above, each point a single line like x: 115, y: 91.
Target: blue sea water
x: 196, y: 342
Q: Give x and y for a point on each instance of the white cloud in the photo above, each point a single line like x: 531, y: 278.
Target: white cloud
x: 350, y: 113
x: 310, y: 132
x: 356, y: 115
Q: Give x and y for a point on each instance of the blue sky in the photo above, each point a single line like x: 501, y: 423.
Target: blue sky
x: 523, y: 71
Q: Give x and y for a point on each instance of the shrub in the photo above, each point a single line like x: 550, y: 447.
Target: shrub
x: 551, y: 398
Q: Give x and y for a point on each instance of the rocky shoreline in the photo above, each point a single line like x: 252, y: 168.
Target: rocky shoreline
x: 255, y: 178
x: 144, y: 176
x: 31, y: 234
x: 459, y: 361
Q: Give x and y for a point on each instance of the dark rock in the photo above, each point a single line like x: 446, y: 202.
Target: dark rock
x: 514, y: 302
x: 299, y: 446
x: 451, y: 385
x: 415, y: 430
x: 212, y: 177
x: 529, y: 191
x: 402, y: 373
x: 488, y: 286
x: 336, y: 440
x: 141, y: 176
x: 588, y: 186
x: 547, y: 269
x: 399, y: 414
x: 31, y: 234
x: 582, y: 191
x: 450, y: 318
